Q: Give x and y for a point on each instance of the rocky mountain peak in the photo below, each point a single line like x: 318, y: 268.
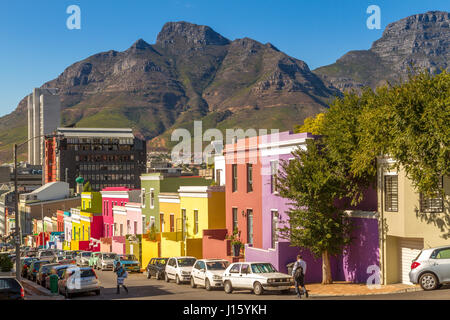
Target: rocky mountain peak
x: 189, y: 33
x: 140, y: 45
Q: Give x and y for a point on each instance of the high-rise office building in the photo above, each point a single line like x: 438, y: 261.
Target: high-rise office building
x: 44, y: 116
x: 106, y: 157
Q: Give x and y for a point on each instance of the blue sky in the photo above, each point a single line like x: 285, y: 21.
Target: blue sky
x: 36, y: 45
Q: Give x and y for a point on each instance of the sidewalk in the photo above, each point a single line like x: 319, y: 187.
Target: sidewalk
x: 341, y: 288
x: 34, y: 291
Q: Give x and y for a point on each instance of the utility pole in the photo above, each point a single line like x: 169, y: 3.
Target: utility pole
x: 42, y: 217
x: 17, y: 238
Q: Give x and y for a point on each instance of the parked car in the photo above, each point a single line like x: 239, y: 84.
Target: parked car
x: 93, y: 259
x: 431, y: 268
x: 26, y: 263
x: 11, y: 289
x: 34, y: 269
x: 105, y: 261
x: 83, y: 258
x: 44, y: 272
x: 82, y: 281
x: 156, y: 268
x: 128, y: 261
x: 208, y: 273
x: 59, y: 271
x: 256, y: 276
x: 179, y: 269
x: 48, y: 255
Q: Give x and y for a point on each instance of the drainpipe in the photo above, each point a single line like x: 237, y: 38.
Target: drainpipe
x: 383, y: 243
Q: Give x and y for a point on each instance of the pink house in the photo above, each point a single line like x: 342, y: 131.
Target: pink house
x: 112, y: 196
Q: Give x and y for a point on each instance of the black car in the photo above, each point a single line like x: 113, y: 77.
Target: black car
x: 156, y: 267
x: 11, y: 289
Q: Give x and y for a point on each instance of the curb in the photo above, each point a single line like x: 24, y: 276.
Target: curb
x: 33, y: 287
x: 366, y: 294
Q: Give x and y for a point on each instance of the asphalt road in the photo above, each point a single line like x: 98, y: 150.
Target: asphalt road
x: 141, y: 288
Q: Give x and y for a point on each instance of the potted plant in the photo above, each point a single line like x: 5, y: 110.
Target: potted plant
x: 236, y: 243
x: 6, y: 264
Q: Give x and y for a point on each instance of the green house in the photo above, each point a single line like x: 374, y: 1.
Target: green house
x: 152, y: 184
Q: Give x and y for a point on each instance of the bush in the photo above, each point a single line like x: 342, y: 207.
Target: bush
x: 6, y: 263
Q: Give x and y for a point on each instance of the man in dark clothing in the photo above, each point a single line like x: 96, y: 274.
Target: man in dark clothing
x: 298, y: 272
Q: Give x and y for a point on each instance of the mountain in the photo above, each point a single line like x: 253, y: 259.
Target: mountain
x: 190, y: 73
x: 421, y: 41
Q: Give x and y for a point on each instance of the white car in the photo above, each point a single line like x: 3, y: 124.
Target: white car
x: 179, y: 269
x: 208, y: 273
x: 256, y: 276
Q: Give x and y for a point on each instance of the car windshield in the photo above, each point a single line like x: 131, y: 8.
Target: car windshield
x: 263, y: 268
x: 217, y: 265
x: 128, y: 257
x: 109, y: 256
x: 187, y: 262
x: 87, y: 273
x: 46, y: 254
x: 86, y: 254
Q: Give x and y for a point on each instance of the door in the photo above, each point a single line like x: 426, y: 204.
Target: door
x: 274, y: 227
x: 409, y: 250
x: 197, y: 273
x: 249, y: 226
x: 161, y: 222
x: 245, y: 277
x: 234, y: 275
x: 441, y: 264
x: 170, y: 268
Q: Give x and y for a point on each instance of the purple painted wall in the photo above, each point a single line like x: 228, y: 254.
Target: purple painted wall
x: 352, y: 265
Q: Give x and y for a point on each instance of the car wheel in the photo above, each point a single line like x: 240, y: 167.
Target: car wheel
x: 166, y: 277
x: 177, y: 279
x: 193, y: 283
x: 148, y: 275
x: 207, y: 285
x: 227, y: 287
x: 258, y: 289
x: 97, y: 292
x: 428, y: 281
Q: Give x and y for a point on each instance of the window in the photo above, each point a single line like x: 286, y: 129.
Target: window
x: 245, y: 269
x: 161, y: 222
x: 128, y: 227
x: 83, y: 233
x: 195, y: 221
x: 250, y: 226
x: 143, y: 197
x: 218, y: 172
x: 274, y: 227
x: 433, y: 204
x: 391, y: 193
x: 121, y: 229
x: 249, y: 177
x: 115, y: 228
x: 135, y: 227
x: 183, y: 219
x: 441, y: 254
x: 235, y: 218
x: 172, y: 222
x: 273, y: 175
x: 152, y: 198
x: 234, y: 177
x: 235, y: 269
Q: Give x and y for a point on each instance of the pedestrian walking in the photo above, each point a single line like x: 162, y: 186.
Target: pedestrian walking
x: 121, y: 275
x: 298, y: 272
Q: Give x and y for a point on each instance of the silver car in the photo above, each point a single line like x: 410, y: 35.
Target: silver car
x: 431, y: 268
x: 83, y: 258
x: 105, y: 261
x: 78, y: 280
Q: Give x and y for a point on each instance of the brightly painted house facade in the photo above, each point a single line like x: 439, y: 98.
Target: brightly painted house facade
x: 170, y: 225
x: 411, y: 220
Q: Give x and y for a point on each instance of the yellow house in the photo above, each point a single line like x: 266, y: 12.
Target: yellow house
x: 76, y: 228
x: 409, y: 221
x: 170, y: 225
x: 202, y: 208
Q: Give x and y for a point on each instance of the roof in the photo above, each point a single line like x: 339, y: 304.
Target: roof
x: 96, y: 132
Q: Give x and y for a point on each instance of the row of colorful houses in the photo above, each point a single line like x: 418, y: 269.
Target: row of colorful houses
x: 177, y: 216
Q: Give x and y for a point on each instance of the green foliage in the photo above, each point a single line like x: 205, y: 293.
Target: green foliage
x: 235, y: 238
x: 152, y: 233
x: 312, y: 184
x: 87, y: 187
x: 313, y: 125
x: 6, y: 263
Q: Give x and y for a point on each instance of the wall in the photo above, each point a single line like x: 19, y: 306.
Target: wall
x: 191, y: 204
x: 97, y: 227
x: 216, y: 211
x: 150, y: 249
x: 215, y: 244
x: 170, y: 246
x: 118, y: 245
x: 194, y: 248
x: 393, y: 260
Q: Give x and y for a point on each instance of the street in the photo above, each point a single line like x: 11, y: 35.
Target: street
x: 141, y: 288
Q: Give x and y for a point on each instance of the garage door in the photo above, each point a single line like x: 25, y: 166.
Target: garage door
x: 409, y: 250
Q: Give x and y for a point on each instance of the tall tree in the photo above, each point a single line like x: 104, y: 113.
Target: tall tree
x: 312, y: 185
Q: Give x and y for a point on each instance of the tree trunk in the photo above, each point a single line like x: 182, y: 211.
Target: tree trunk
x: 326, y: 269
